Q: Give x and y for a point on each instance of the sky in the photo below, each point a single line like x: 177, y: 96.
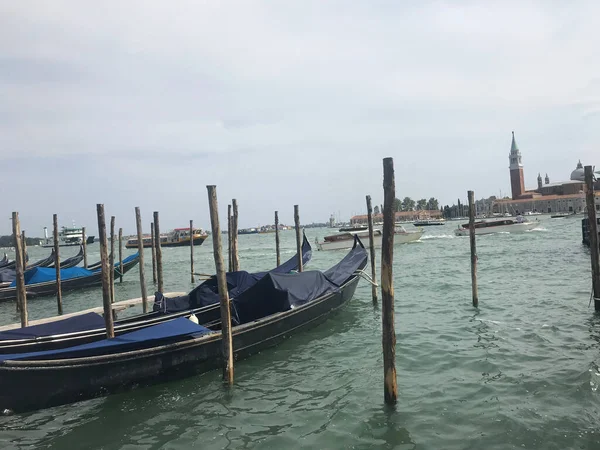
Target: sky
x: 145, y: 103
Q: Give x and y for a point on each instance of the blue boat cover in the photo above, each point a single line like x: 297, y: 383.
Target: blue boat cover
x: 160, y: 334
x: 83, y: 322
x: 45, y: 274
x: 207, y: 293
x: 7, y: 275
x: 97, y: 267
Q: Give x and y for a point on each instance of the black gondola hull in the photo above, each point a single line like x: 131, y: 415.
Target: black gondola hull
x: 28, y: 385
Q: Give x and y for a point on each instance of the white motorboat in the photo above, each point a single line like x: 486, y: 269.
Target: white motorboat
x: 345, y: 240
x: 517, y: 225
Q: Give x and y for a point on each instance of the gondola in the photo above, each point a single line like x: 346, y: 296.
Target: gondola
x: 4, y: 261
x: 46, y: 262
x: 69, y: 262
x: 273, y: 309
x: 41, y: 281
x: 202, y: 301
x: 9, y: 273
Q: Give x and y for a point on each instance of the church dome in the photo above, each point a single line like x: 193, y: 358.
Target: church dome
x: 578, y: 173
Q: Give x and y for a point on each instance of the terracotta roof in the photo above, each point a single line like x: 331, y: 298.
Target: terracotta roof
x: 544, y: 197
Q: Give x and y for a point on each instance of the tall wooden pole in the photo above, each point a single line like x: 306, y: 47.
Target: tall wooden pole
x: 24, y: 249
x: 159, y: 268
x: 154, y: 276
x: 474, y: 290
x: 19, y: 268
x: 57, y: 265
x: 387, y: 284
x: 106, y: 300
x: 277, y: 238
x: 229, y: 240
x: 298, y: 238
x: 235, y: 266
x: 593, y: 231
x: 120, y: 255
x: 222, y: 282
x: 192, y: 250
x: 140, y: 238
x: 84, y: 244
x: 112, y: 259
x: 372, y: 249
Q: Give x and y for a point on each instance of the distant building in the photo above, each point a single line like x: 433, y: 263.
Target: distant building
x: 401, y: 216
x: 562, y: 196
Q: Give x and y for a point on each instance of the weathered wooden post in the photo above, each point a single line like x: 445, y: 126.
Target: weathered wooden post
x: 154, y: 276
x: 120, y: 255
x: 298, y: 238
x: 84, y: 244
x: 229, y: 232
x: 24, y: 249
x: 106, y: 300
x: 192, y: 250
x: 140, y: 237
x: 19, y: 268
x: 372, y: 249
x: 112, y: 259
x: 235, y: 266
x: 159, y: 268
x: 593, y: 233
x: 387, y: 284
x: 222, y: 282
x: 57, y: 265
x: 473, y: 249
x: 277, y: 238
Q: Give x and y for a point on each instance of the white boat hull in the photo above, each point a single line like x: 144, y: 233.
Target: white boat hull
x: 399, y: 238
x: 512, y: 228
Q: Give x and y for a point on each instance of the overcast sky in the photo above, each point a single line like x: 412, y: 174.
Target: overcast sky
x: 144, y: 103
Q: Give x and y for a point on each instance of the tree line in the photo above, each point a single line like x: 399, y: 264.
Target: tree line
x: 8, y: 241
x: 408, y: 204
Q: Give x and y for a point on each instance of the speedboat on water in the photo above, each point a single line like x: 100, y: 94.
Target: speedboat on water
x: 345, y: 240
x: 517, y: 225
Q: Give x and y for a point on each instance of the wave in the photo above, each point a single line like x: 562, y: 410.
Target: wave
x: 439, y: 236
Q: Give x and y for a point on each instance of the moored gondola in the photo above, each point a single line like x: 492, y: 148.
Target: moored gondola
x: 202, y: 301
x: 69, y: 262
x: 276, y: 307
x: 41, y: 281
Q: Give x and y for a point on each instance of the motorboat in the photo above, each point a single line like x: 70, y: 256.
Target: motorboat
x: 517, y: 225
x: 345, y: 240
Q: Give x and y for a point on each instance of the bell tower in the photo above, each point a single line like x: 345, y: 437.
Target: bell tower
x: 517, y: 183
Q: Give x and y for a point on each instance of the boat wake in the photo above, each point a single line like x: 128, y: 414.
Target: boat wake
x: 440, y: 236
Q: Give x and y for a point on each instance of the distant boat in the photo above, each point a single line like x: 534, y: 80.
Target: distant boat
x: 561, y: 215
x: 345, y: 240
x: 179, y: 237
x: 354, y: 228
x: 67, y: 237
x: 429, y: 222
x: 497, y: 226
x: 247, y: 231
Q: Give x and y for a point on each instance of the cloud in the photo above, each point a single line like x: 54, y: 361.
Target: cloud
x: 293, y: 102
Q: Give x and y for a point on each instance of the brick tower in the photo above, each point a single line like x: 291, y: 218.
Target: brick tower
x: 517, y: 184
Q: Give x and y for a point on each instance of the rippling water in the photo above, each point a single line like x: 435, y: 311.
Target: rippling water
x: 519, y: 372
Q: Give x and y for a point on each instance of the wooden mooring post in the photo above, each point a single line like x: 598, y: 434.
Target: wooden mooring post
x: 57, y: 265
x: 387, y: 284
x: 590, y: 202
x: 20, y: 269
x: 154, y: 277
x: 372, y: 249
x: 474, y: 290
x: 140, y: 238
x: 120, y: 255
x: 24, y: 249
x: 235, y: 257
x: 84, y: 245
x: 227, y: 344
x: 106, y: 297
x: 112, y: 259
x: 229, y: 232
x: 192, y: 250
x: 298, y: 238
x: 159, y: 267
x: 277, y: 250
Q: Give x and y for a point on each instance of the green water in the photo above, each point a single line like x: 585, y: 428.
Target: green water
x: 519, y: 372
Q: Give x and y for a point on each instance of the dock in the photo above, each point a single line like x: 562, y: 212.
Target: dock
x: 117, y: 306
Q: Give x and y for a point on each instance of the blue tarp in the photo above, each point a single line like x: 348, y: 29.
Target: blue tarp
x: 165, y: 332
x: 89, y: 321
x: 45, y: 274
